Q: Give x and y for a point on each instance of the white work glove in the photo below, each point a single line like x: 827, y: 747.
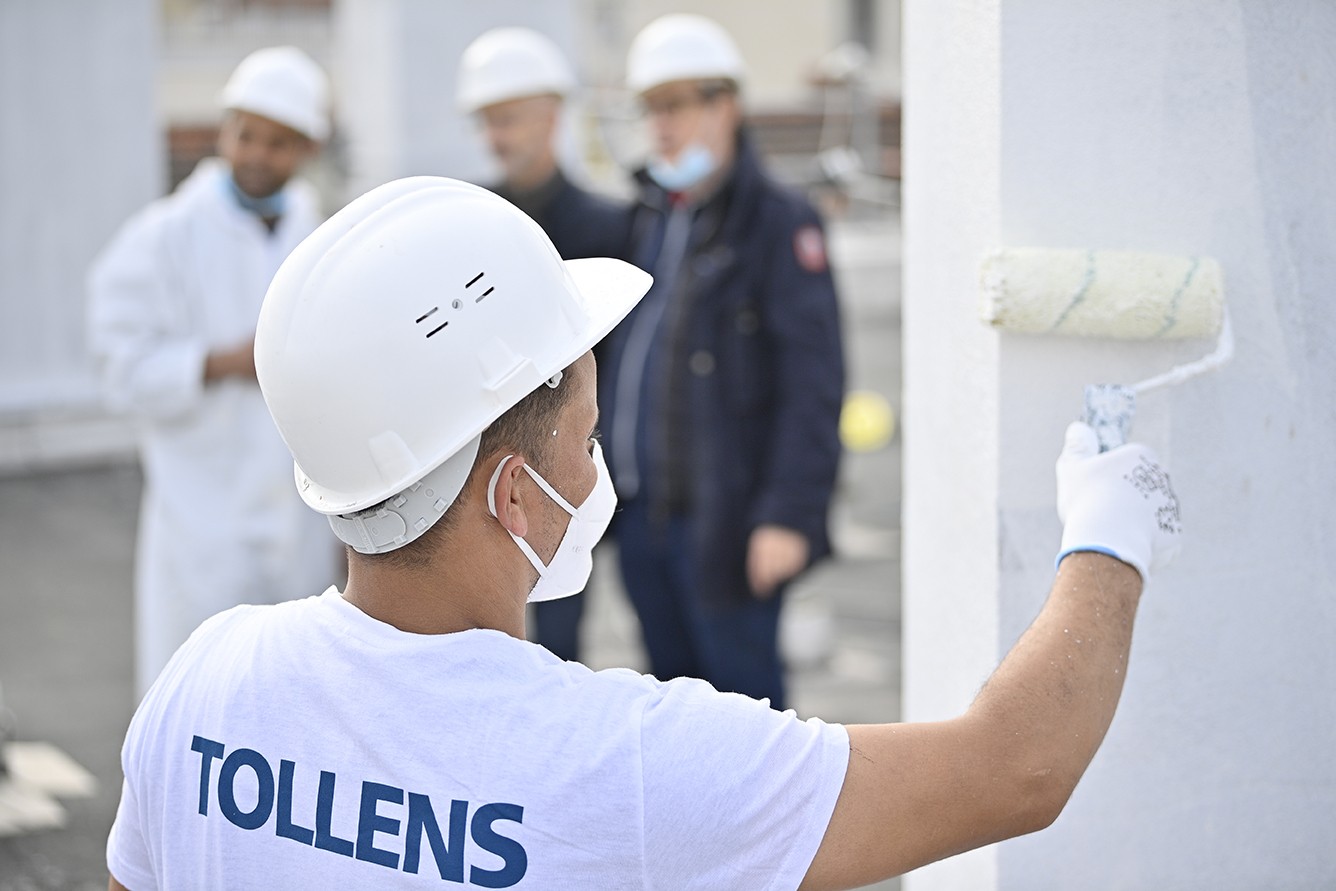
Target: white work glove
x: 1118, y: 503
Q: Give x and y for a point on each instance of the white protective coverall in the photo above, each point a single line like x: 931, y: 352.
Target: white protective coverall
x: 221, y: 522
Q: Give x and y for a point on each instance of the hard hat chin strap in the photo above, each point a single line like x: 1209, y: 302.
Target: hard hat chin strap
x: 404, y: 517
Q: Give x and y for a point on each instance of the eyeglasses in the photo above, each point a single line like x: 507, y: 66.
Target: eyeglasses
x: 674, y: 105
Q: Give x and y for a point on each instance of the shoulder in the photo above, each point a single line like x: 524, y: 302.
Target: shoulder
x: 691, y: 710
x: 685, y: 724
x: 672, y: 704
x: 205, y: 187
x: 583, y: 223
x: 188, y: 198
x: 304, y: 196
x: 158, y: 230
x: 231, y: 635
x: 775, y: 204
x: 198, y: 193
x: 777, y: 223
x: 600, y: 200
x: 185, y: 676
x: 213, y: 633
x: 587, y: 201
x: 789, y: 226
x: 785, y: 207
x: 140, y: 232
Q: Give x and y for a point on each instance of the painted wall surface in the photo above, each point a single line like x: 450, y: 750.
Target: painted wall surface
x: 79, y: 152
x: 1197, y: 127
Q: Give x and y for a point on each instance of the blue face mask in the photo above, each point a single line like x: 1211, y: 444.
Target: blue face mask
x: 694, y: 163
x: 270, y: 206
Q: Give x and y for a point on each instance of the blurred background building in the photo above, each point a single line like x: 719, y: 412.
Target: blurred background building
x: 110, y: 103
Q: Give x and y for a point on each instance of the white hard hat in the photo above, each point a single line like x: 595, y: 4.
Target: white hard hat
x: 283, y: 84
x: 404, y: 326
x: 682, y: 47
x: 511, y: 63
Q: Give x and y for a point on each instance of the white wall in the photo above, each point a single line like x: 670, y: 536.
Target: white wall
x: 79, y: 152
x: 1203, y: 126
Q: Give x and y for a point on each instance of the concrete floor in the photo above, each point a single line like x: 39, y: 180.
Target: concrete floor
x: 66, y: 547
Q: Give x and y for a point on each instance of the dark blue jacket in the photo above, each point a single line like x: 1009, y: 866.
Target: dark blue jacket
x: 580, y: 224
x: 758, y: 316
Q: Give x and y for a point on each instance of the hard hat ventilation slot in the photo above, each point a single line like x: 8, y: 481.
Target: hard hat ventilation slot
x: 428, y: 314
x: 473, y: 281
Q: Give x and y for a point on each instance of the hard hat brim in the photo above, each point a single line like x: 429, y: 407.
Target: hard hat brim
x: 611, y: 289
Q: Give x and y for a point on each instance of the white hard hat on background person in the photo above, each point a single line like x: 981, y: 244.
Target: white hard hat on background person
x: 402, y: 328
x: 283, y: 84
x: 682, y: 47
x: 511, y: 63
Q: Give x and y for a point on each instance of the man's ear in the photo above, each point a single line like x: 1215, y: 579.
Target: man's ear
x: 509, y: 497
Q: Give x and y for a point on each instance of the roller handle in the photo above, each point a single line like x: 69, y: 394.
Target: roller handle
x: 1108, y: 410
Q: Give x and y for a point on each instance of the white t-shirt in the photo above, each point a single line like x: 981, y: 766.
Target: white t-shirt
x: 307, y: 745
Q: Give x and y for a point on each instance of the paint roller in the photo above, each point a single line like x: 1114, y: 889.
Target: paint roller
x: 1123, y: 295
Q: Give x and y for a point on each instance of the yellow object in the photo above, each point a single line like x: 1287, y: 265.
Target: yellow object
x: 867, y: 421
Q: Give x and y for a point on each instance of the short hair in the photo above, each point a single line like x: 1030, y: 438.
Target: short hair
x: 525, y: 429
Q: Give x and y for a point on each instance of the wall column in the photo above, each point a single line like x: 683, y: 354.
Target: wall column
x: 1200, y: 127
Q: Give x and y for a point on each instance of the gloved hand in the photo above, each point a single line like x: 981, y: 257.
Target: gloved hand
x: 1118, y: 503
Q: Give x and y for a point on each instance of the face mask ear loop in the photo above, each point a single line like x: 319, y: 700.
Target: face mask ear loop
x: 539, y: 565
x: 551, y: 492
x: 529, y: 552
x: 543, y: 484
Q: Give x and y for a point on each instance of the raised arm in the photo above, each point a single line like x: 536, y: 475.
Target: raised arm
x: 915, y: 793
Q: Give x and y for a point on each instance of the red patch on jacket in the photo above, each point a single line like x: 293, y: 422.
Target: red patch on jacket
x: 809, y: 249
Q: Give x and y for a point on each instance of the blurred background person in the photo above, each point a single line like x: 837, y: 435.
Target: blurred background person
x: 514, y: 81
x: 721, y: 392
x: 173, y: 302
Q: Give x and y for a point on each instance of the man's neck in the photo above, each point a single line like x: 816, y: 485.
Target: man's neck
x: 533, y: 189
x: 707, y: 188
x: 468, y: 588
x: 269, y: 208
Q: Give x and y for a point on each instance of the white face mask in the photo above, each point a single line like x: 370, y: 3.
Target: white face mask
x: 568, y: 573
x: 694, y: 163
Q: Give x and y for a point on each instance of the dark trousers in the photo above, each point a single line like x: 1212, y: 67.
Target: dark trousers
x: 734, y: 646
x: 557, y: 625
